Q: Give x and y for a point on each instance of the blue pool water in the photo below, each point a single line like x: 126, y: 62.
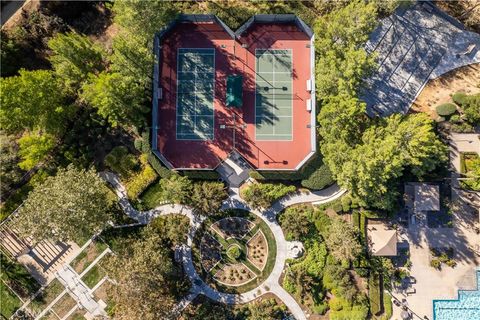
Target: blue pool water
x: 466, y: 307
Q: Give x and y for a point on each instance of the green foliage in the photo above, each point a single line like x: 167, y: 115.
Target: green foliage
x: 122, y: 162
x: 71, y: 205
x: 233, y: 252
x: 10, y: 55
x: 371, y: 170
x: 470, y: 167
x: 139, y: 182
x: 74, y: 57
x: 32, y: 100
x: 339, y: 37
x: 342, y: 240
x: 34, y: 148
x: 207, y: 196
x: 116, y: 97
x: 295, y: 223
x: 201, y: 174
x: 471, y: 109
x: 262, y: 195
x: 446, y: 109
x: 172, y: 229
x: 374, y: 294
x: 17, y: 277
x: 10, y: 173
x: 161, y: 170
x: 436, y: 263
x: 460, y: 98
x: 319, y: 179
x: 176, y: 189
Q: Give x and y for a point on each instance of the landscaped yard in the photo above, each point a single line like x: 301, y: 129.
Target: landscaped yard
x: 88, y: 255
x: 151, y: 197
x: 64, y: 305
x: 9, y: 301
x: 221, y: 255
x: 47, y: 296
x: 94, y: 275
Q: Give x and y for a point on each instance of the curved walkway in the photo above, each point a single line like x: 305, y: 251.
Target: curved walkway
x: 271, y: 284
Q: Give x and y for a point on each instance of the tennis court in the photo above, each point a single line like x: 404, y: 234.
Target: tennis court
x: 273, y: 94
x: 195, y: 93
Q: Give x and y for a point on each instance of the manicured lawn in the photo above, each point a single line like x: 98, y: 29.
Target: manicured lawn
x: 9, y: 301
x: 94, y: 275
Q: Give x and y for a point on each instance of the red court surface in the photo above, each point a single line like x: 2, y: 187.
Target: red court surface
x: 233, y: 58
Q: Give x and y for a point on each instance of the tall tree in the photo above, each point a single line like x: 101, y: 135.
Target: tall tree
x: 74, y: 56
x: 341, y: 60
x: 147, y: 280
x: 34, y: 148
x: 176, y: 189
x: 117, y: 98
x: 33, y: 100
x: 71, y: 205
x: 342, y: 240
x: 207, y: 197
x: 10, y: 173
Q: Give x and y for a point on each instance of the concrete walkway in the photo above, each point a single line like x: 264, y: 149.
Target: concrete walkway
x: 271, y: 284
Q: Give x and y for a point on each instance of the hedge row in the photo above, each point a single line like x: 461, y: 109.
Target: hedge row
x: 201, y: 174
x: 140, y: 182
x: 161, y: 170
x: 374, y: 294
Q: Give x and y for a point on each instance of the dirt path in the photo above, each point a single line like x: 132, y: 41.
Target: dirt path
x: 438, y: 91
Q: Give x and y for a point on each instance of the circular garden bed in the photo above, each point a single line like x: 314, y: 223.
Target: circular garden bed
x: 234, y: 251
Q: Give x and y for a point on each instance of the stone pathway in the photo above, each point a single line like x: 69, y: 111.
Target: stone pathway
x: 271, y: 284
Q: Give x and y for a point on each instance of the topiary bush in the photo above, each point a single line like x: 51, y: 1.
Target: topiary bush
x: 446, y: 109
x: 233, y: 252
x: 460, y: 98
x: 435, y: 263
x: 262, y: 195
x: 319, y: 179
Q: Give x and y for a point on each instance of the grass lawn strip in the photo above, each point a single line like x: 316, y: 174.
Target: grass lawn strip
x: 94, y: 275
x: 9, y: 301
x: 88, y: 255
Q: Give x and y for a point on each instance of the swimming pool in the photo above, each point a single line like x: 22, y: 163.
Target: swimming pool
x: 466, y: 307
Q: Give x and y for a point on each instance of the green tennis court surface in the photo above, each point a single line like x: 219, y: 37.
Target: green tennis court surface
x: 273, y: 98
x: 195, y: 93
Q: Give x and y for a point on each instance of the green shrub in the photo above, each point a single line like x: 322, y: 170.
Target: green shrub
x: 138, y: 183
x: 319, y: 179
x: 451, y: 263
x: 320, y: 308
x: 374, y: 294
x: 262, y: 195
x: 387, y: 306
x: 337, y: 207
x: 446, y: 109
x: 455, y: 118
x: 201, y: 174
x: 460, y: 98
x: 435, y: 263
x: 161, y: 170
x: 233, y: 252
x: 346, y: 203
x: 121, y: 161
x: 462, y: 128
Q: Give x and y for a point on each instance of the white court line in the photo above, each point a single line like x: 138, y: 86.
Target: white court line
x: 286, y: 52
x: 195, y: 52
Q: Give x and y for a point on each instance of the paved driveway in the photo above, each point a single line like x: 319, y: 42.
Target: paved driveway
x: 413, y: 46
